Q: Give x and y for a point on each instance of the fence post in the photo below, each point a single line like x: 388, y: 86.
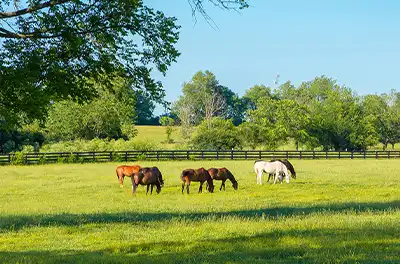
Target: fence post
x: 365, y: 154
x: 126, y: 155
x: 9, y: 158
x: 326, y: 154
x: 376, y: 154
x: 202, y: 154
x: 217, y: 155
x: 352, y: 153
x: 110, y: 156
x: 259, y: 154
x: 313, y: 154
x: 389, y: 154
x: 231, y: 154
x: 287, y: 154
x: 301, y: 156
x: 339, y: 154
x: 187, y: 155
x: 157, y: 155
x: 173, y: 156
x: 245, y: 154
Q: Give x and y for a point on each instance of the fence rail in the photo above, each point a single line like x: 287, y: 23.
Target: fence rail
x: 134, y: 155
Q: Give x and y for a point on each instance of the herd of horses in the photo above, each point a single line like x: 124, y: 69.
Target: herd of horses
x: 152, y: 176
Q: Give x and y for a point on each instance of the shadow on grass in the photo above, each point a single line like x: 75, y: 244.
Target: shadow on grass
x: 14, y: 223
x: 348, y: 245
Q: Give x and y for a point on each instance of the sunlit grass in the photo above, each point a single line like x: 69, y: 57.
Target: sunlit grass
x: 335, y: 211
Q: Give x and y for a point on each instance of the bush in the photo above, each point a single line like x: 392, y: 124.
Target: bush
x: 18, y: 159
x: 221, y: 135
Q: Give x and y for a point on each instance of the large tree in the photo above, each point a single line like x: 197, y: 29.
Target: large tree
x: 50, y: 48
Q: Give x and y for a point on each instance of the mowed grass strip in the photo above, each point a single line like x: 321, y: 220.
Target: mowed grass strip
x: 335, y: 211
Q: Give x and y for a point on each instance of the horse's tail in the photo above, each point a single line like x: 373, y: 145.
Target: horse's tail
x: 290, y: 167
x: 209, y: 181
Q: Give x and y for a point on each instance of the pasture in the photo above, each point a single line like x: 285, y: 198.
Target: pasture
x: 335, y: 211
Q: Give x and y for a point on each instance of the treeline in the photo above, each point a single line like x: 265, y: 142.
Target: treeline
x: 318, y: 114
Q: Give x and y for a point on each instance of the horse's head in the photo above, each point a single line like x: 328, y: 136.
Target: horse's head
x: 235, y: 185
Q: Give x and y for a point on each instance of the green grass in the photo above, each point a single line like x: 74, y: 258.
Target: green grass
x: 336, y: 211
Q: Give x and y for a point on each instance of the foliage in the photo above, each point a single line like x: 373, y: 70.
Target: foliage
x: 85, y: 39
x: 221, y: 135
x: 109, y: 116
x: 99, y: 145
x: 18, y: 158
x: 168, y: 122
x: 16, y: 140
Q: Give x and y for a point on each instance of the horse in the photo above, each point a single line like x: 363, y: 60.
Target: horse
x: 275, y: 167
x: 150, y: 177
x: 200, y: 175
x: 127, y: 171
x: 288, y: 165
x: 222, y: 174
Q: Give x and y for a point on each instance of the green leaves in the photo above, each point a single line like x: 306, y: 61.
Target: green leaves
x: 58, y: 49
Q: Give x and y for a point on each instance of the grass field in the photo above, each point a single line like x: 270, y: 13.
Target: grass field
x: 336, y: 211
x: 157, y: 134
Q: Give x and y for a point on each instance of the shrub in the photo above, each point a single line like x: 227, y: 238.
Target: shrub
x: 18, y: 159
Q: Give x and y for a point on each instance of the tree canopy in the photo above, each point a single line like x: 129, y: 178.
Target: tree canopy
x: 51, y: 48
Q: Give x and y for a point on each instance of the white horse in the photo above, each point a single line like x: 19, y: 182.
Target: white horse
x: 275, y: 167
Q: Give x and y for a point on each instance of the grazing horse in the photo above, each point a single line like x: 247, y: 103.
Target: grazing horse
x: 275, y: 167
x: 150, y: 177
x: 200, y: 175
x: 127, y: 171
x: 223, y: 174
x: 288, y: 165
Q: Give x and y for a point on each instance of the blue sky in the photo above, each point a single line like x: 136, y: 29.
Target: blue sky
x: 356, y: 42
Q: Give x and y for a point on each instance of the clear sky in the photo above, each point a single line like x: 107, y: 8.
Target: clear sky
x: 356, y: 42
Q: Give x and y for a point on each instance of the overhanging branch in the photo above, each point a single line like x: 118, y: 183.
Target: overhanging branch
x: 32, y: 8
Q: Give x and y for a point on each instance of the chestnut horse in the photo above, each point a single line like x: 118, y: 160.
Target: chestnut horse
x: 150, y: 177
x: 200, y: 175
x: 127, y: 171
x: 223, y: 174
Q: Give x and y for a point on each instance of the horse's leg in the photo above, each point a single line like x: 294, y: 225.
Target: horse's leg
x: 134, y: 186
x: 276, y: 176
x: 187, y: 187
x: 152, y: 186
x: 183, y: 186
x: 260, y: 177
x: 201, y: 187
x: 222, y: 185
x: 121, y: 181
x: 147, y: 189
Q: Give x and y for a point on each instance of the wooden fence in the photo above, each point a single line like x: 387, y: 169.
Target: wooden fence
x: 121, y: 156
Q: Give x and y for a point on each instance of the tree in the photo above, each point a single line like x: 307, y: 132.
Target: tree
x: 168, y: 122
x: 186, y: 112
x: 144, y: 108
x: 256, y: 92
x: 109, y: 116
x: 202, y: 92
x: 51, y: 48
x: 221, y: 135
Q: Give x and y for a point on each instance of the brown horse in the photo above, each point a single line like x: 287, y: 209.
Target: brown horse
x: 288, y: 165
x: 223, y: 174
x: 150, y: 177
x: 200, y: 175
x: 127, y: 171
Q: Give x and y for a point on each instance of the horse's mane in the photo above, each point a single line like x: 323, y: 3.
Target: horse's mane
x: 258, y: 161
x: 230, y: 176
x: 288, y: 165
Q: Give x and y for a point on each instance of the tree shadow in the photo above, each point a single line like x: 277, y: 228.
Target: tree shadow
x: 17, y: 222
x: 347, y: 245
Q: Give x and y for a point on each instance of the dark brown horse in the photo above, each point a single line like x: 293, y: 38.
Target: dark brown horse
x: 127, y: 171
x: 223, y: 174
x: 150, y: 177
x: 288, y: 165
x: 200, y: 175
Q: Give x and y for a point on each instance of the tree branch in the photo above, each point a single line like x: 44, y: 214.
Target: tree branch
x: 32, y: 8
